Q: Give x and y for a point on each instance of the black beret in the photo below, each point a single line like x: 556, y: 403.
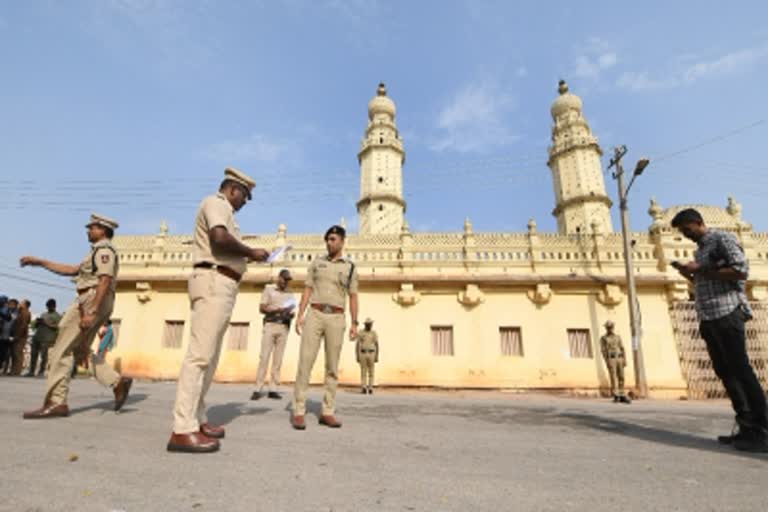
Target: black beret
x: 336, y: 230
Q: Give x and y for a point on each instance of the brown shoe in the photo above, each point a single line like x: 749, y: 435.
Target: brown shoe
x: 121, y: 390
x: 48, y: 411
x: 330, y: 421
x: 193, y: 442
x: 298, y: 422
x: 212, y: 431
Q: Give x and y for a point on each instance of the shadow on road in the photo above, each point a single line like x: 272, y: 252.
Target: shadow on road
x: 224, y: 414
x: 109, y: 405
x: 655, y: 435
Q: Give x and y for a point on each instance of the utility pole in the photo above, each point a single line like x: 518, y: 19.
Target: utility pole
x: 634, y: 315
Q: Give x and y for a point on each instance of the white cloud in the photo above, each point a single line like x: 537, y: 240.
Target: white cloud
x: 256, y: 148
x: 594, y: 57
x: 473, y: 121
x: 682, y: 71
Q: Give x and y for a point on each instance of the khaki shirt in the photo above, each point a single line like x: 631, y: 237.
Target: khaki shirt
x: 101, y: 261
x: 331, y: 281
x: 611, y: 344
x: 215, y: 211
x: 272, y: 297
x: 367, y: 340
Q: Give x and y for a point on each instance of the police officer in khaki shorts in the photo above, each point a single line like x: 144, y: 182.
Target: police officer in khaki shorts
x: 615, y: 359
x: 220, y: 259
x: 330, y: 279
x: 95, y: 282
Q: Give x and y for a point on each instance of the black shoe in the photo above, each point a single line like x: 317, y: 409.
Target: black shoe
x: 256, y: 395
x: 274, y: 395
x: 625, y: 400
x: 732, y: 437
x: 370, y: 391
x: 752, y: 440
x: 364, y: 391
x: 615, y: 399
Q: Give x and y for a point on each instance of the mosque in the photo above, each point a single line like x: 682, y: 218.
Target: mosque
x: 465, y: 309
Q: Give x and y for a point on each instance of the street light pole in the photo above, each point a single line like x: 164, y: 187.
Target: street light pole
x: 634, y: 318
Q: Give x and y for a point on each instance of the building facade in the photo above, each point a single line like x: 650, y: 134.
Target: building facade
x: 458, y: 309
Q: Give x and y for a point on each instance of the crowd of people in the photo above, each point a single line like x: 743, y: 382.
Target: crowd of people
x: 21, y: 335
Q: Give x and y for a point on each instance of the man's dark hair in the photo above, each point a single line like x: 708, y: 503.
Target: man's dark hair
x: 15, y: 301
x: 232, y: 183
x: 27, y: 303
x: 686, y: 217
x: 50, y: 303
x: 109, y: 232
x: 335, y: 230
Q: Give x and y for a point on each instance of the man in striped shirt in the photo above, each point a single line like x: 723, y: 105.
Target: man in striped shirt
x: 719, y: 273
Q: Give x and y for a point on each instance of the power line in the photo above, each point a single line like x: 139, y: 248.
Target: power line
x: 707, y: 142
x: 35, y: 281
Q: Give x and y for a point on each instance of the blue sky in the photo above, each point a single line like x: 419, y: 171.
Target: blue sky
x: 134, y: 107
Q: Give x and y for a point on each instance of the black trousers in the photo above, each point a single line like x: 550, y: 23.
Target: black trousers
x: 727, y: 347
x: 5, y: 353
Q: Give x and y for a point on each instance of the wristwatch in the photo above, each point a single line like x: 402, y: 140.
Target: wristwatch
x: 355, y: 322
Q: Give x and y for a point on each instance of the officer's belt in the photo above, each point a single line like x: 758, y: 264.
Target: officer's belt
x: 367, y: 351
x: 327, y: 308
x: 221, y: 269
x: 81, y: 291
x: 614, y: 354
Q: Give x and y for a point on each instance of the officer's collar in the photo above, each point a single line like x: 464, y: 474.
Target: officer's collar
x: 341, y: 259
x: 223, y: 197
x: 101, y: 243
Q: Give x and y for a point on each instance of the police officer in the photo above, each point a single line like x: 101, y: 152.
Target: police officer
x: 615, y: 359
x: 220, y: 259
x: 278, y: 307
x: 330, y: 279
x: 95, y: 279
x: 367, y: 349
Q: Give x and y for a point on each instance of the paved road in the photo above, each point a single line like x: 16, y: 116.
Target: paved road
x: 397, y: 451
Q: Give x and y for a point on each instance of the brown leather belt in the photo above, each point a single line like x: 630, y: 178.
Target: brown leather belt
x: 81, y: 291
x: 327, y: 308
x: 221, y: 269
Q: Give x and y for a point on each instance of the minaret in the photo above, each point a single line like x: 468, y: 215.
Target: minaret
x: 574, y: 158
x: 381, y: 206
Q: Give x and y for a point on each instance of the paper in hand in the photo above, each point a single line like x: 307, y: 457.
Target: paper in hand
x: 277, y: 254
x: 290, y: 303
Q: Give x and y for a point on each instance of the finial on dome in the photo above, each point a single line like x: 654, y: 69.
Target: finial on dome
x: 382, y: 90
x: 163, y: 228
x: 562, y: 87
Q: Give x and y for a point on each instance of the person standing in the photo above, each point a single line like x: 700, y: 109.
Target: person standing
x: 9, y: 330
x: 719, y: 273
x: 220, y: 259
x: 278, y: 307
x: 95, y: 281
x: 330, y: 279
x: 106, y: 339
x: 367, y: 350
x: 20, y: 337
x: 6, y: 331
x: 616, y: 360
x: 46, y: 328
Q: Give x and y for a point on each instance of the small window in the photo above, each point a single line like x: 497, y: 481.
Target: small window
x: 511, y: 341
x: 172, y: 334
x: 238, y: 336
x: 381, y: 140
x: 442, y: 340
x: 579, y: 343
x: 381, y: 180
x: 381, y: 207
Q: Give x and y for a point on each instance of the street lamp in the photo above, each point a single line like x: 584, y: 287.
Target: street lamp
x: 634, y: 315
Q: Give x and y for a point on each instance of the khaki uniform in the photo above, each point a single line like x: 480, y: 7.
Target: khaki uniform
x: 101, y: 261
x: 367, y: 349
x: 615, y: 359
x: 212, y: 298
x: 331, y: 282
x: 273, y: 338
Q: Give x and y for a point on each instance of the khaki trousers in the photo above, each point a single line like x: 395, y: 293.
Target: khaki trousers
x: 616, y: 372
x: 70, y: 336
x: 331, y: 327
x: 273, y: 339
x: 367, y: 364
x: 212, y: 298
x: 17, y: 355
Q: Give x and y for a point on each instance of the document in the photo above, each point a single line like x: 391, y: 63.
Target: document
x: 277, y: 254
